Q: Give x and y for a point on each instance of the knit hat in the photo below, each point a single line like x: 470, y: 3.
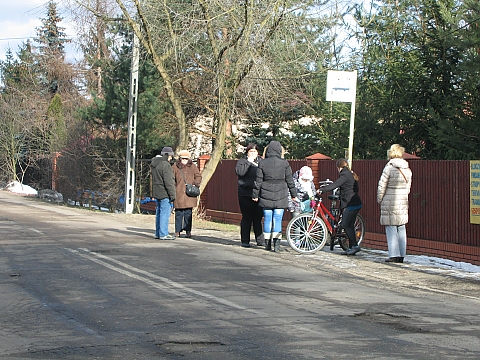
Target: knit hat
x: 184, y: 154
x: 305, y: 173
x: 167, y: 150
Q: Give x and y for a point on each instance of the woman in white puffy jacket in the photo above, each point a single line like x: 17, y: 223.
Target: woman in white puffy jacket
x: 392, y: 195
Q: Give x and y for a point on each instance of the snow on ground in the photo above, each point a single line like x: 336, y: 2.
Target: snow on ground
x: 432, y: 264
x: 21, y: 189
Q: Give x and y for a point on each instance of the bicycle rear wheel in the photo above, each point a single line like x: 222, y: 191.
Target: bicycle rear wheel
x: 359, y: 233
x: 307, y: 234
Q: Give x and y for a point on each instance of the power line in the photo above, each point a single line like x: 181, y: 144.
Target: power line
x: 16, y: 38
x: 28, y: 37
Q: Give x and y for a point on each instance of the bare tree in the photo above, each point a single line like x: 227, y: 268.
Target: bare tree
x: 204, y: 51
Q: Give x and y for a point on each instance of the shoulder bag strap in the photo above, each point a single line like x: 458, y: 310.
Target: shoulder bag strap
x: 183, y: 175
x: 401, y: 172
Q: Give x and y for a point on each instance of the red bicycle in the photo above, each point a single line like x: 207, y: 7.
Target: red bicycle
x: 308, y: 232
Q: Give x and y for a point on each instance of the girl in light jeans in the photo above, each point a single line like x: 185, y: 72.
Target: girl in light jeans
x: 272, y: 227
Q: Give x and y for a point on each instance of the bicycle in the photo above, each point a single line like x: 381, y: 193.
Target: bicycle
x: 308, y: 232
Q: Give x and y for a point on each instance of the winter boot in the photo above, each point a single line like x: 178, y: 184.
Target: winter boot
x: 276, y: 245
x: 276, y: 242
x: 268, y: 241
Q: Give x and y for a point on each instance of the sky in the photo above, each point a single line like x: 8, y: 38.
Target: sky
x: 19, y: 20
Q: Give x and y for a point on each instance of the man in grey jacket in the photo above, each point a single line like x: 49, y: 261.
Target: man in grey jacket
x: 163, y: 191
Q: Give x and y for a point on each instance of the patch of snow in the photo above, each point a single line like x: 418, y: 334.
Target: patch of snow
x: 19, y: 188
x: 433, y: 264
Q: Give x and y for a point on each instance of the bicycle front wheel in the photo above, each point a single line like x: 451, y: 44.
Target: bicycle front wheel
x: 307, y: 234
x: 359, y: 233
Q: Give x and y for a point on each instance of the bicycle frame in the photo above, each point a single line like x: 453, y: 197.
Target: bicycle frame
x: 308, y: 232
x: 325, y: 214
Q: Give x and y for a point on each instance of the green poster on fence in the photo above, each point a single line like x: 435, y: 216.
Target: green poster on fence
x: 475, y: 191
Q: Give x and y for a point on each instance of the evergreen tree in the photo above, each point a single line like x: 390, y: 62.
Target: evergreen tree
x: 51, y: 36
x: 416, y: 84
x: 107, y: 115
x: 51, y: 59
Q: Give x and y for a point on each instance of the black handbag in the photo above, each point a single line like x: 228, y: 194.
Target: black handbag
x: 190, y: 189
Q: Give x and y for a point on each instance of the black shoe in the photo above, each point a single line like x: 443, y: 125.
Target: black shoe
x: 268, y: 245
x: 189, y: 234
x: 394, y: 259
x: 245, y: 245
x: 353, y: 250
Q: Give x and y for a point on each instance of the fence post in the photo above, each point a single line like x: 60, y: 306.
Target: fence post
x: 313, y: 161
x: 202, y: 161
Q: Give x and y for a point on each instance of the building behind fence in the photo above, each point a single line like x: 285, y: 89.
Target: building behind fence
x: 439, y: 219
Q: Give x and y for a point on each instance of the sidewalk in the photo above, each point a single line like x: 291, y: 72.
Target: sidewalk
x: 426, y: 264
x: 437, y: 275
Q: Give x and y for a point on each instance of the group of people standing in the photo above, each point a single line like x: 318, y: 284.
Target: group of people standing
x: 266, y: 187
x: 169, y: 189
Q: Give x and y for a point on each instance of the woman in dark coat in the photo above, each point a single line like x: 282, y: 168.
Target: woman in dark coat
x: 350, y: 202
x: 246, y: 170
x: 272, y: 184
x: 185, y: 171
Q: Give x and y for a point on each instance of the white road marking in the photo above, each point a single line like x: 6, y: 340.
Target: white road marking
x: 168, y: 285
x: 174, y: 287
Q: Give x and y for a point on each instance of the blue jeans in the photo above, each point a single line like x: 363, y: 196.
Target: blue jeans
x: 396, y: 240
x: 272, y: 220
x: 162, y: 215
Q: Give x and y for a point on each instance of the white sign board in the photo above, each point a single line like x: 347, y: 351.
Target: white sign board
x: 341, y: 86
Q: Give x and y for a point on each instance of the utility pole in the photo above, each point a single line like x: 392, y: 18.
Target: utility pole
x: 132, y: 130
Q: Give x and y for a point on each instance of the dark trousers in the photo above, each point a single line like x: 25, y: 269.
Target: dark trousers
x: 251, y: 214
x: 183, y: 220
x: 348, y: 224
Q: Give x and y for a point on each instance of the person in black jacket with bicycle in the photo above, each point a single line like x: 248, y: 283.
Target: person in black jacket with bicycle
x: 350, y: 202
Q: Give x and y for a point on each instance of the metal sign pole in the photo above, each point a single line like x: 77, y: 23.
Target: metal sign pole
x: 350, y: 138
x: 342, y: 86
x: 132, y: 132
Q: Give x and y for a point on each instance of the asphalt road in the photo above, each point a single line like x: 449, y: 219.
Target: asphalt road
x: 78, y: 284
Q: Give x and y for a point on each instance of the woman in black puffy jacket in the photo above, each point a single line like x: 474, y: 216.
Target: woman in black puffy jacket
x: 272, y: 184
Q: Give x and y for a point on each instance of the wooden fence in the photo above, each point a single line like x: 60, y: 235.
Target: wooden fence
x: 439, y: 222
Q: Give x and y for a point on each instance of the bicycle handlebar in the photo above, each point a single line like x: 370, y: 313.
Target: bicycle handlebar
x: 325, y: 182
